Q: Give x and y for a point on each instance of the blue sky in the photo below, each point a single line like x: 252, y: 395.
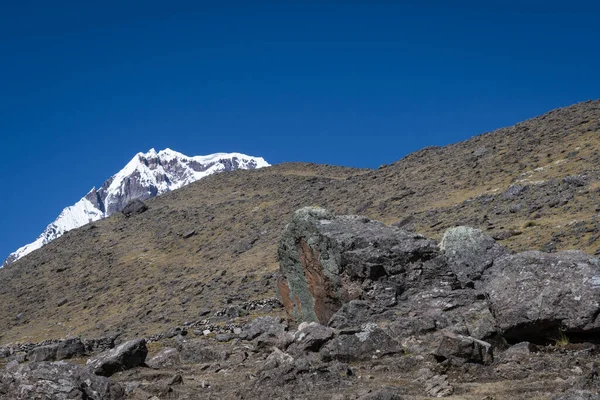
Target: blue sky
x: 84, y: 87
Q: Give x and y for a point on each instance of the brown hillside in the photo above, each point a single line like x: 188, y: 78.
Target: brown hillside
x: 533, y: 185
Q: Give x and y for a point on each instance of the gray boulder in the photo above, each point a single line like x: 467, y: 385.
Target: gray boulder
x: 62, y: 350
x: 126, y: 356
x: 42, y: 353
x: 368, y: 343
x: 470, y: 252
x: 260, y: 326
x: 533, y: 295
x: 312, y: 336
x: 57, y: 380
x: 324, y: 259
x: 454, y: 346
x: 134, y: 207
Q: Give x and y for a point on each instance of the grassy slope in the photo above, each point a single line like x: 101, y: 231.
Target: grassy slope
x: 140, y: 276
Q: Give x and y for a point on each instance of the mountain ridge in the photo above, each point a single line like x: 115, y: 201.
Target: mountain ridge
x: 146, y: 175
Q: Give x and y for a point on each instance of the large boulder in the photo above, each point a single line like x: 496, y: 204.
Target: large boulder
x: 126, y: 356
x: 56, y: 380
x: 470, y: 252
x: 324, y: 260
x: 534, y: 295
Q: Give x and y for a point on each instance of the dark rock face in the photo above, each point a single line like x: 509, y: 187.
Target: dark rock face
x: 470, y: 252
x: 534, y: 294
x: 134, y: 207
x: 128, y: 355
x: 57, y: 380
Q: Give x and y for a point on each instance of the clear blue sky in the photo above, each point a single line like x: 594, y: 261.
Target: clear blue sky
x: 84, y: 87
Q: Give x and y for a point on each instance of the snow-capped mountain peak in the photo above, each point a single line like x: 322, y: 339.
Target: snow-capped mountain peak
x: 146, y: 175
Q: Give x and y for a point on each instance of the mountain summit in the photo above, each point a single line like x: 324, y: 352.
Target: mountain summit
x: 146, y: 175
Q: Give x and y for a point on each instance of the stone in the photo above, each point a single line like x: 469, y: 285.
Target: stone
x: 70, y: 348
x: 279, y: 339
x: 467, y: 348
x: 470, y: 252
x: 128, y: 355
x: 369, y: 343
x: 438, y: 386
x: 134, y: 207
x: 12, y: 365
x: 62, y: 350
x: 99, y: 344
x: 42, y: 353
x: 56, y: 380
x: 167, y: 357
x: 519, y: 352
x: 535, y: 295
x: 353, y: 314
x: 576, y: 394
x: 223, y: 337
x: 260, y: 326
x: 312, y: 336
x: 323, y: 260
x: 173, y: 332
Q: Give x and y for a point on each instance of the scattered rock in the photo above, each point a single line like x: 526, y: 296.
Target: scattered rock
x: 311, y: 336
x: 369, y: 343
x: 128, y: 355
x: 134, y: 207
x: 438, y: 386
x: 467, y: 348
x: 56, y: 380
x: 385, y: 393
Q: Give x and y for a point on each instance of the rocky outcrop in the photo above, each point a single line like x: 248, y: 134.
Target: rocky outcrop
x: 56, y: 380
x: 350, y: 272
x: 128, y: 355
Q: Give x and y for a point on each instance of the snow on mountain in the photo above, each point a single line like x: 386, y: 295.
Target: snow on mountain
x: 146, y: 175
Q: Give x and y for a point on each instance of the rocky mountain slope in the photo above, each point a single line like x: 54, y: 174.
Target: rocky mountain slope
x: 145, y: 176
x: 212, y: 243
